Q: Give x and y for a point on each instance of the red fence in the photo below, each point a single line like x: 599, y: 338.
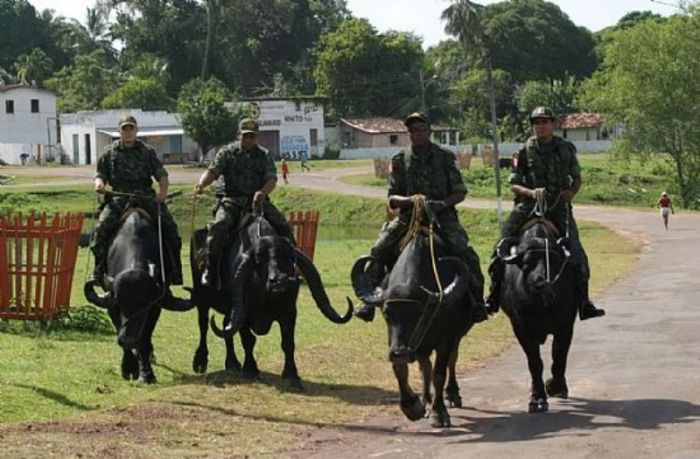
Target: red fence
x: 305, y: 226
x: 37, y: 258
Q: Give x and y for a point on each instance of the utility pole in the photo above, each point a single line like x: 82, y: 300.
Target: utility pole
x: 496, y: 140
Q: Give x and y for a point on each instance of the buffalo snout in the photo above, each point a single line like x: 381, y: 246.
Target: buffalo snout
x: 278, y: 282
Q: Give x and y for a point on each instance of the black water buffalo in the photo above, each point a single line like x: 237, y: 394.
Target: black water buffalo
x: 259, y: 287
x: 419, y: 322
x: 135, y: 291
x: 540, y: 297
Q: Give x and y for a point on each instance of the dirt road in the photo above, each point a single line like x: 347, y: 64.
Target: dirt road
x: 634, y: 376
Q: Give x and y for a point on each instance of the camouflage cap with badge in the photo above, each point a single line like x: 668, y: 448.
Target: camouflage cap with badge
x: 127, y: 119
x: 416, y: 116
x: 248, y: 126
x: 542, y: 112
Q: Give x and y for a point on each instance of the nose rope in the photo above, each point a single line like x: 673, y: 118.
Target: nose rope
x: 546, y: 257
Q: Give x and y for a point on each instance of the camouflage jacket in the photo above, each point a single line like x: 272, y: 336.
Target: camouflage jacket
x: 552, y: 165
x: 130, y: 169
x: 244, y: 172
x: 434, y: 174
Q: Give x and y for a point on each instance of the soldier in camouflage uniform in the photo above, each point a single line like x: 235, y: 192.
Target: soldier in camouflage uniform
x: 130, y: 166
x: 545, y: 162
x: 249, y: 177
x: 425, y: 169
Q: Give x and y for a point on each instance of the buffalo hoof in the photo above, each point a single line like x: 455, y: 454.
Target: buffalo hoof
x: 295, y: 383
x: 557, y: 388
x: 232, y: 364
x: 200, y: 363
x: 130, y: 366
x: 148, y: 378
x: 414, y: 409
x: 538, y: 405
x: 440, y: 419
x: 251, y: 371
x: 454, y: 399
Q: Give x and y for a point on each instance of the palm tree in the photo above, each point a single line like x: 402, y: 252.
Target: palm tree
x: 463, y: 20
x: 35, y: 66
x: 95, y: 32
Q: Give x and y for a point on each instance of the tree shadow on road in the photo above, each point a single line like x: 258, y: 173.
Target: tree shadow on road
x: 584, y: 416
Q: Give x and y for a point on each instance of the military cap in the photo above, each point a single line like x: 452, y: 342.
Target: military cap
x: 248, y: 126
x: 542, y: 112
x: 416, y: 116
x: 127, y: 119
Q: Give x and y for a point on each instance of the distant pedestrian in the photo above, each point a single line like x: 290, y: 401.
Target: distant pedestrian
x: 285, y: 171
x: 303, y: 156
x: 665, y: 205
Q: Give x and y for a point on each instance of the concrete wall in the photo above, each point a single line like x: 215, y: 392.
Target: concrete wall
x: 10, y: 152
x: 23, y: 126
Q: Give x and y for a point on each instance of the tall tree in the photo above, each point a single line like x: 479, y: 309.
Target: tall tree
x: 204, y: 115
x: 21, y: 30
x: 559, y: 95
x: 651, y: 85
x: 365, y: 73
x: 94, y: 33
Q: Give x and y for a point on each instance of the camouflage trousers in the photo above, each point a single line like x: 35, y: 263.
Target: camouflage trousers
x: 227, y: 215
x: 454, y: 236
x: 522, y: 212
x: 110, y: 220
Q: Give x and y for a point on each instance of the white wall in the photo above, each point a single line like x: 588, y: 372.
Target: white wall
x: 388, y: 152
x: 23, y: 126
x: 10, y: 152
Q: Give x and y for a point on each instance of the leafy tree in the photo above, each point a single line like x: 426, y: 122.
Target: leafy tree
x: 364, y: 73
x: 559, y: 95
x: 35, y: 66
x: 204, y: 115
x: 83, y: 85
x: 650, y: 83
x: 143, y: 93
x: 529, y: 39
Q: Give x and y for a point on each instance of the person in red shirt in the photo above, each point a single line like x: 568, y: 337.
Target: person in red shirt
x: 666, y: 207
x: 285, y: 171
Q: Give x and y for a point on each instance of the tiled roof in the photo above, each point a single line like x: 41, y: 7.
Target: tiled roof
x: 385, y: 125
x: 581, y: 120
x: 10, y: 87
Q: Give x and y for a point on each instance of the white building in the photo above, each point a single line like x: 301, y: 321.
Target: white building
x: 27, y: 122
x: 289, y: 127
x: 84, y: 135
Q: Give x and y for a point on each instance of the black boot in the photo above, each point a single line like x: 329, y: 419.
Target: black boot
x: 497, y: 272
x: 375, y: 273
x: 176, y: 267
x: 587, y: 310
x: 479, y: 312
x: 98, y: 272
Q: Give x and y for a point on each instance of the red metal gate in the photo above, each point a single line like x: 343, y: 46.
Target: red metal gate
x: 37, y: 259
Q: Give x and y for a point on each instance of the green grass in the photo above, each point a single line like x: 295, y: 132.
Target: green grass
x: 607, y: 181
x: 66, y: 382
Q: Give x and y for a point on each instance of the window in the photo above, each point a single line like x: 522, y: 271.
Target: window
x: 393, y: 139
x: 35, y: 105
x: 9, y: 106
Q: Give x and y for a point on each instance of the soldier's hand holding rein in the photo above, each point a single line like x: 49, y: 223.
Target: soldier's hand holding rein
x: 162, y: 196
x: 259, y: 197
x: 566, y: 196
x: 99, y: 186
x: 199, y: 188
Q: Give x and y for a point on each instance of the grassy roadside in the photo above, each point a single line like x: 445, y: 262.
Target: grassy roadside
x: 607, y: 181
x: 60, y: 390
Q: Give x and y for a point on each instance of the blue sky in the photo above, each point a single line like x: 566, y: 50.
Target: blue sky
x: 423, y: 16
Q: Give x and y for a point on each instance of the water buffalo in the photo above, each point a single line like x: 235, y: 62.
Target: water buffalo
x: 540, y: 298
x: 136, y: 291
x: 259, y: 286
x: 421, y: 321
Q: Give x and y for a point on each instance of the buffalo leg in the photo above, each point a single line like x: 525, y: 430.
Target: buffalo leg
x: 290, y: 367
x: 145, y: 347
x: 410, y: 403
x: 201, y: 355
x: 556, y: 386
x: 231, y: 362
x: 130, y: 364
x: 440, y: 417
x: 452, y: 389
x: 538, y: 397
x: 426, y: 368
x: 250, y: 366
